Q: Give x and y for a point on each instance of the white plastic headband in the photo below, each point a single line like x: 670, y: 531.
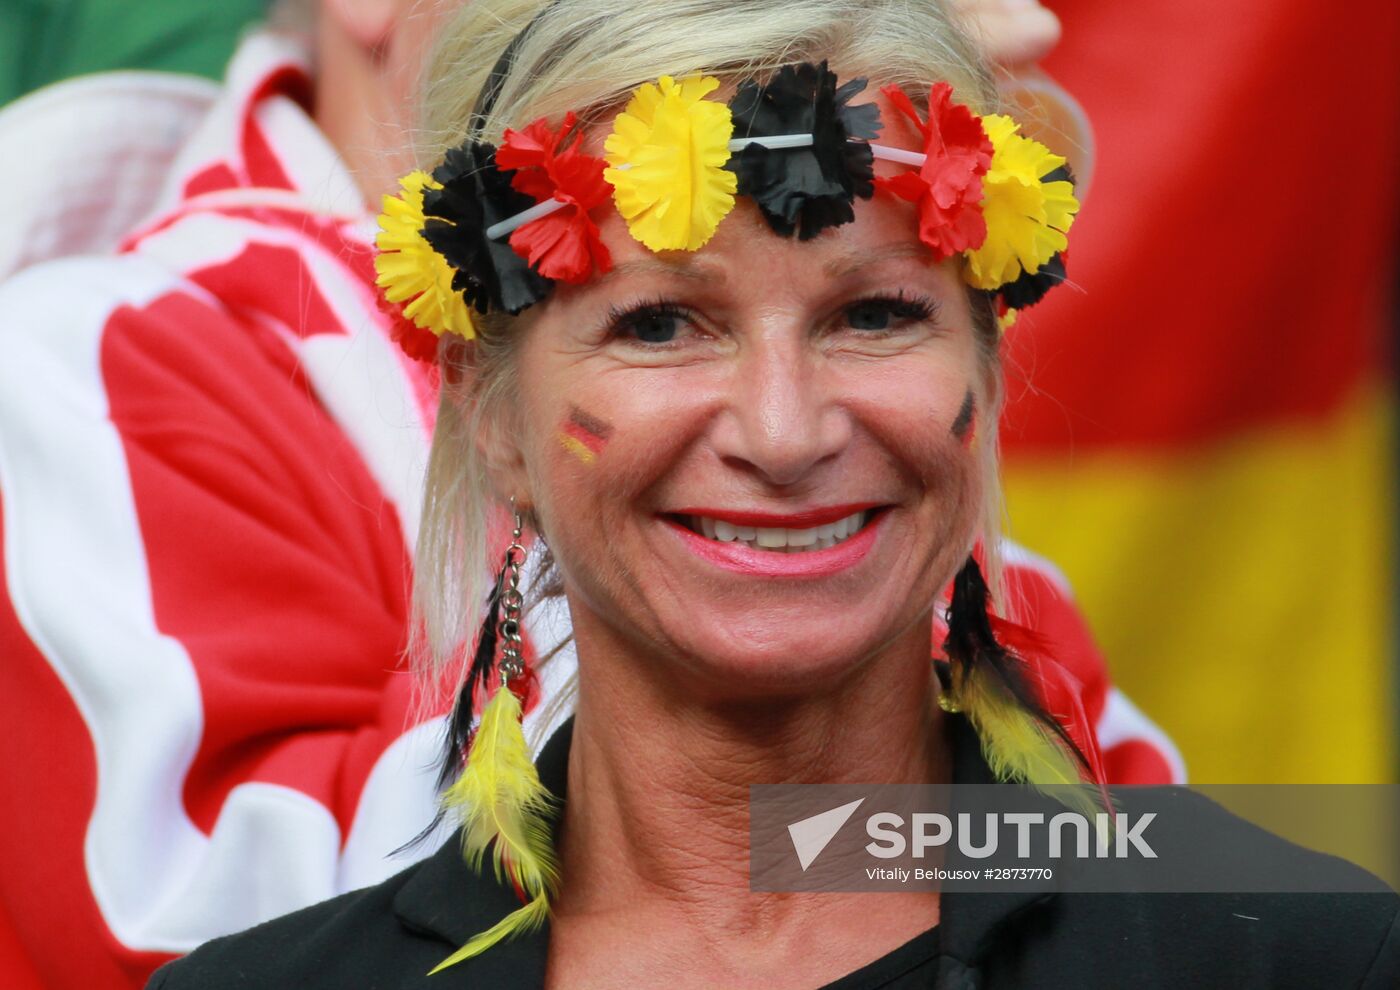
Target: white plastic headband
x: 509, y: 225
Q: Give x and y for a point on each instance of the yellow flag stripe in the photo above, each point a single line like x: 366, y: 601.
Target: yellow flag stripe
x: 577, y: 447
x: 1241, y: 593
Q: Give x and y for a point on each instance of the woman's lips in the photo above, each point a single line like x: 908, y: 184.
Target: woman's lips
x: 744, y: 559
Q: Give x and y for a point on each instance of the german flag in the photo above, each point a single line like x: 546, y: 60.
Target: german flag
x: 1201, y: 433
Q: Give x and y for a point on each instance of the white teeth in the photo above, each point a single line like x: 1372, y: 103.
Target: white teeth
x: 781, y: 540
x: 772, y: 538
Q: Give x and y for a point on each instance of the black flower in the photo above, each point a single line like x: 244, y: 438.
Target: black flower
x: 474, y: 195
x: 805, y: 190
x: 1030, y: 287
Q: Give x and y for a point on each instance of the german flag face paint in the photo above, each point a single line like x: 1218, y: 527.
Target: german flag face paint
x: 964, y: 426
x: 583, y: 435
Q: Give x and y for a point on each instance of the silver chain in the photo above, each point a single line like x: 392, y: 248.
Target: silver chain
x: 512, y: 662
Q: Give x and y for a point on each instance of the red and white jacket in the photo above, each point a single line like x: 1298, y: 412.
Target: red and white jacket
x: 210, y: 455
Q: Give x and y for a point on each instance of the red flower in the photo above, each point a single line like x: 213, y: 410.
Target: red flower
x: 565, y: 245
x: 948, y: 187
x: 417, y: 343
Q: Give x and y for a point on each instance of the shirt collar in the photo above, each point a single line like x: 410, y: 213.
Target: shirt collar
x: 447, y: 899
x: 970, y: 920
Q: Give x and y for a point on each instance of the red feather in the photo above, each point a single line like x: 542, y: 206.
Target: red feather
x: 526, y: 687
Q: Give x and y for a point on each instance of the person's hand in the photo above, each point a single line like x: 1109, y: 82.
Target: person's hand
x: 1014, y: 33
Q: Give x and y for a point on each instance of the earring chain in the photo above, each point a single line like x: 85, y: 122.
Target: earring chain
x: 512, y: 660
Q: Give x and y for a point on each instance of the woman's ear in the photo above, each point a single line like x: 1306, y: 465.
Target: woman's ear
x: 498, y: 444
x: 489, y: 423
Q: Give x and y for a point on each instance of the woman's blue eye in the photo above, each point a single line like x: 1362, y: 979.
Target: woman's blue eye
x: 885, y: 313
x: 655, y: 328
x: 652, y: 324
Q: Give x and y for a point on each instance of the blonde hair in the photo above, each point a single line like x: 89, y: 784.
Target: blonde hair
x: 587, y: 56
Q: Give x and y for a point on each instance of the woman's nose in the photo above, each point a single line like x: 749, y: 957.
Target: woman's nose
x: 782, y: 421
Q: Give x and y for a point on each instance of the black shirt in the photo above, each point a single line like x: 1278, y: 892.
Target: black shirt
x: 912, y: 966
x: 388, y: 937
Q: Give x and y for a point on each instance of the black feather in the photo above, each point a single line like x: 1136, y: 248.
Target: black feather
x: 971, y: 642
x: 460, y: 724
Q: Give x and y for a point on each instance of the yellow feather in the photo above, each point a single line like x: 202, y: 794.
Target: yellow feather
x: 1018, y: 747
x: 504, y: 807
x: 524, y: 919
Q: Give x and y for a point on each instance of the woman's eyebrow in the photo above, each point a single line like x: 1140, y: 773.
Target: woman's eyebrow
x: 852, y: 262
x: 848, y: 263
x: 680, y: 268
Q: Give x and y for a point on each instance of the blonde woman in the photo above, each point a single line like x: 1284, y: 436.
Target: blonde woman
x: 745, y: 395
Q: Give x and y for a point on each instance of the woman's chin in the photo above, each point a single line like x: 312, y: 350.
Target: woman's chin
x: 792, y: 657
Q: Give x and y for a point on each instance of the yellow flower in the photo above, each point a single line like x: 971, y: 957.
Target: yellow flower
x: 409, y: 271
x: 667, y: 151
x: 1027, y: 219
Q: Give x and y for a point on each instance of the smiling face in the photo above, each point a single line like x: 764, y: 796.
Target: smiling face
x: 751, y: 461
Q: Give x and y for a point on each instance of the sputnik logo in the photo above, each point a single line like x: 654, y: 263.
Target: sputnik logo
x: 811, y: 835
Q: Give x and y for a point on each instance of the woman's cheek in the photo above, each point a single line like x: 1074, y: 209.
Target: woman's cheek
x: 919, y: 408
x: 600, y: 452
x: 575, y: 461
x: 931, y: 431
x: 567, y: 448
x: 584, y: 435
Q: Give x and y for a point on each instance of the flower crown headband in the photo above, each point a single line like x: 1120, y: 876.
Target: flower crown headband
x: 492, y: 229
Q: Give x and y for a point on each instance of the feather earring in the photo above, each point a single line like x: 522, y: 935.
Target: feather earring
x: 458, y: 737
x: 459, y: 725
x: 1020, y: 740
x: 503, y: 806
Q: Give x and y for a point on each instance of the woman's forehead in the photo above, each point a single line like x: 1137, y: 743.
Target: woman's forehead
x: 884, y: 234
